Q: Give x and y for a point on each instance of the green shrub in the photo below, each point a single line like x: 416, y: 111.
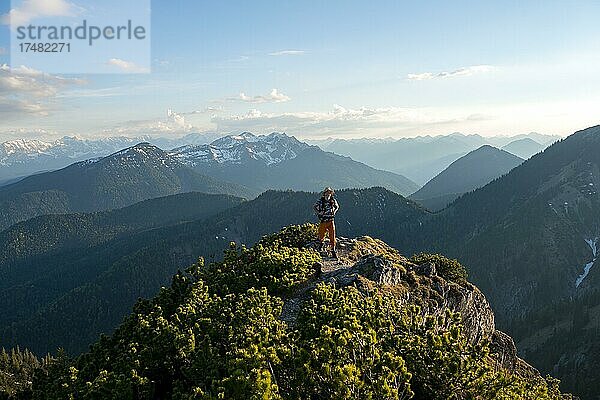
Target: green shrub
x: 346, y: 349
x: 292, y: 236
x: 274, y: 266
x: 447, y: 268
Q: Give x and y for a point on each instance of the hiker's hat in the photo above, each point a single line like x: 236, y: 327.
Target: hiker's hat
x: 328, y: 190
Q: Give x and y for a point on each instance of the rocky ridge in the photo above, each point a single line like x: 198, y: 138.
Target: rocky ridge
x: 367, y: 263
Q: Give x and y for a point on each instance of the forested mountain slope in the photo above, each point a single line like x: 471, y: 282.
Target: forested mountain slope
x: 472, y: 171
x: 134, y: 174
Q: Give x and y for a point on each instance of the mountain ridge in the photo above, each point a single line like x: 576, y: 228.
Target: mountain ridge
x: 270, y: 149
x: 423, y: 157
x: 523, y: 148
x: 279, y: 161
x: 473, y: 170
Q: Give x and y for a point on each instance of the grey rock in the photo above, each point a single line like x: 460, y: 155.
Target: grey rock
x: 427, y: 269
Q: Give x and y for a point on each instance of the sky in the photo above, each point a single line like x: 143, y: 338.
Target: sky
x: 319, y: 69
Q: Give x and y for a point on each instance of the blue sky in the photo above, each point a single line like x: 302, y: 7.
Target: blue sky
x: 332, y: 68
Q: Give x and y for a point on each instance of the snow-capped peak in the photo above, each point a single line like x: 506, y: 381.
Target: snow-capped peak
x: 23, y: 146
x: 143, y: 149
x: 134, y: 156
x: 245, y: 147
x: 232, y: 140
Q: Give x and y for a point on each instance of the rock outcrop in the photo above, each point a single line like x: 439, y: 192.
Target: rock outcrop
x: 369, y: 263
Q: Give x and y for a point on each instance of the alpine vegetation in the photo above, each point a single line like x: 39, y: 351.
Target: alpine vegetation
x: 276, y: 321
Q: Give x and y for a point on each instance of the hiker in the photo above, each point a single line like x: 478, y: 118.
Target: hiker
x: 326, y: 207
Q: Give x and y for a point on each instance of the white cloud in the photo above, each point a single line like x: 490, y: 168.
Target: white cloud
x: 174, y: 124
x: 29, y: 134
x: 25, y: 80
x: 420, y: 77
x: 341, y: 121
x: 177, y: 119
x: 14, y: 107
x: 273, y: 97
x: 127, y: 66
x: 464, y: 71
x: 24, y: 70
x: 288, y: 53
x: 32, y: 9
x: 206, y: 110
x: 24, y: 90
x: 480, y: 117
x: 212, y: 109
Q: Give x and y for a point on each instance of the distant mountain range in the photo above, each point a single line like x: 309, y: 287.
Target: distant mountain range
x: 241, y: 149
x: 419, y: 158
x: 242, y: 165
x: 524, y: 148
x: 131, y: 175
x: 423, y: 157
x: 472, y: 171
x: 19, y: 158
x: 22, y: 157
x: 263, y: 162
x: 279, y: 161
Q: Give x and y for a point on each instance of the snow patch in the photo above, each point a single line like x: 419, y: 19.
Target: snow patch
x: 592, y: 243
x: 586, y: 269
x: 239, y: 149
x: 90, y: 161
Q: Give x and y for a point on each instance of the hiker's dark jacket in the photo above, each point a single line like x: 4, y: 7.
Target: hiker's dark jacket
x: 326, y: 209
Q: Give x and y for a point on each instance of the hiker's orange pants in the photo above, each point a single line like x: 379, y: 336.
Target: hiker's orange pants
x: 324, y: 227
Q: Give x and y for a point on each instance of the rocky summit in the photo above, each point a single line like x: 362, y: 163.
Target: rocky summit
x: 370, y: 264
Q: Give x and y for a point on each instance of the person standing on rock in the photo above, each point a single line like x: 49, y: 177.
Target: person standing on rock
x: 326, y: 208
